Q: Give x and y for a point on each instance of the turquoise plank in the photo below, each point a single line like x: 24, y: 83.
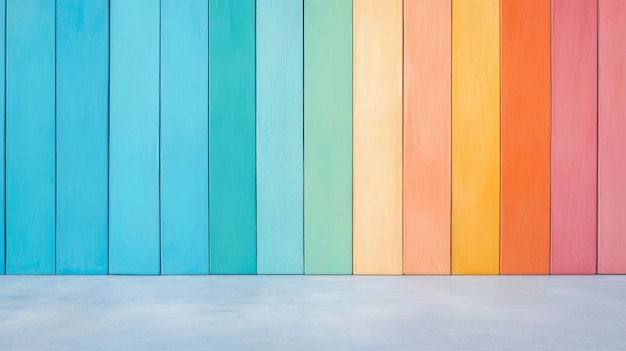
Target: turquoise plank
x: 82, y: 136
x: 184, y: 137
x: 279, y: 137
x: 134, y: 237
x: 30, y: 137
x: 2, y: 135
x: 232, y: 159
x: 328, y: 136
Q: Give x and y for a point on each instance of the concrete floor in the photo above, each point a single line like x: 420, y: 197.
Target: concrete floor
x: 312, y: 313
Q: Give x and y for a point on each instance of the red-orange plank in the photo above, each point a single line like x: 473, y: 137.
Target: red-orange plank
x: 525, y: 133
x: 611, y: 142
x: 427, y: 139
x: 574, y: 136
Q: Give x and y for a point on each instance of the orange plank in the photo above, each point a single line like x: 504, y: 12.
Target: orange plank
x: 475, y: 137
x: 377, y: 136
x: 525, y: 141
x: 427, y: 139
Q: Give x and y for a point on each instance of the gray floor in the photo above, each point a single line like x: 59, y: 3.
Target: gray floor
x: 312, y: 312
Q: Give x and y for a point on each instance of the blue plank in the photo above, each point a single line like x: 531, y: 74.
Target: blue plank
x: 232, y: 159
x: 184, y: 137
x: 30, y: 137
x: 82, y: 136
x: 279, y: 137
x: 134, y: 138
x: 2, y: 135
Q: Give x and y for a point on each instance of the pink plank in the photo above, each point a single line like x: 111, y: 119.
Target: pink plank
x: 574, y: 136
x: 611, y: 142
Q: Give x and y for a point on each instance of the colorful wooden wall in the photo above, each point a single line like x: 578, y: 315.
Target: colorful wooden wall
x: 313, y: 137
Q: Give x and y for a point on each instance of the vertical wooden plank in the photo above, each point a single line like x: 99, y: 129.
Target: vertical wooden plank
x: 134, y: 138
x: 328, y: 136
x: 611, y: 143
x: 574, y: 136
x: 2, y: 133
x: 475, y: 137
x: 279, y: 136
x: 427, y: 136
x: 377, y: 136
x: 184, y: 137
x: 30, y: 142
x: 82, y: 42
x: 525, y: 141
x: 232, y: 130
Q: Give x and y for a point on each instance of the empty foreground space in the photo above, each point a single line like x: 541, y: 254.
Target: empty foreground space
x: 312, y: 312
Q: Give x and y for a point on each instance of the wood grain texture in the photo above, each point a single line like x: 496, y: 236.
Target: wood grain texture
x: 30, y: 137
x: 279, y: 137
x: 328, y: 136
x: 475, y: 137
x: 134, y: 234
x: 611, y: 142
x: 525, y: 141
x: 574, y: 136
x: 232, y: 137
x: 184, y: 137
x: 82, y: 42
x: 427, y: 136
x: 377, y: 137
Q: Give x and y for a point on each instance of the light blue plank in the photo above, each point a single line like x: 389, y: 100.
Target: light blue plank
x: 82, y: 136
x: 2, y: 135
x: 232, y: 195
x: 279, y: 137
x: 134, y: 138
x: 184, y: 137
x: 30, y: 142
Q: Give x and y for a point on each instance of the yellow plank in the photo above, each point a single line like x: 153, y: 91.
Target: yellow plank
x: 475, y: 136
x: 377, y: 136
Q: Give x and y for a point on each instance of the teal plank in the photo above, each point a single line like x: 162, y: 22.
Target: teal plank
x: 184, y: 137
x: 82, y: 136
x: 134, y: 237
x: 328, y: 136
x: 2, y: 135
x: 280, y: 233
x: 232, y: 159
x: 30, y: 137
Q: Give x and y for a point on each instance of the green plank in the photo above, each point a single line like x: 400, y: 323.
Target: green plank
x: 328, y: 136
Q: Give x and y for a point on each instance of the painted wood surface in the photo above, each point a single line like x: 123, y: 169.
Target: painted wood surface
x: 232, y: 141
x: 30, y: 137
x: 377, y: 136
x: 328, y: 136
x: 611, y: 131
x: 525, y: 140
x: 184, y: 137
x: 134, y: 239
x: 475, y: 137
x: 574, y: 136
x: 82, y: 44
x: 279, y: 131
x: 2, y: 133
x: 427, y: 136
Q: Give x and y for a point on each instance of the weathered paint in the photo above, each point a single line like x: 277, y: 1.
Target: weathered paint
x: 427, y: 136
x: 475, y: 137
x: 377, y: 137
x: 525, y: 141
x: 574, y: 136
x: 279, y: 137
x: 328, y: 136
x: 611, y: 142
